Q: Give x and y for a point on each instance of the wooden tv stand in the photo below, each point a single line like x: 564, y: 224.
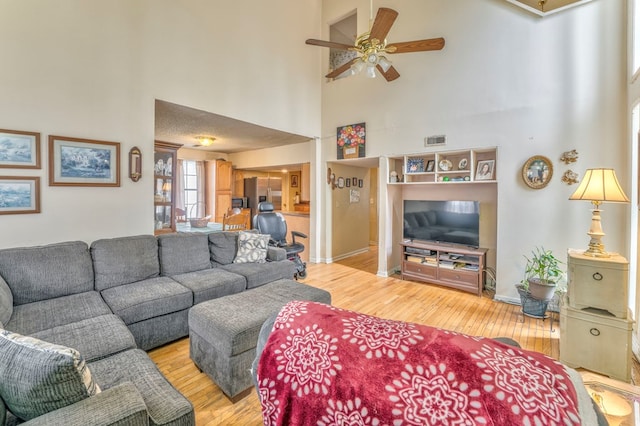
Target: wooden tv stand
x: 449, y: 265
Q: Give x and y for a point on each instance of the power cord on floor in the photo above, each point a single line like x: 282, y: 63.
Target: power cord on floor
x: 490, y: 279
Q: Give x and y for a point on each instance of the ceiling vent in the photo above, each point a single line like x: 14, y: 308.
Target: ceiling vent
x: 435, y: 140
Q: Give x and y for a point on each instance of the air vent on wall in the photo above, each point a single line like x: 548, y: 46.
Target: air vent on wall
x: 435, y: 140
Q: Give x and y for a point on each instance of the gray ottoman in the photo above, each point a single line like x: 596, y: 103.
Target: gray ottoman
x: 223, y: 332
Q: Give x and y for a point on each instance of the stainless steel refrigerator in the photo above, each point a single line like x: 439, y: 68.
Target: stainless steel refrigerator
x: 258, y: 189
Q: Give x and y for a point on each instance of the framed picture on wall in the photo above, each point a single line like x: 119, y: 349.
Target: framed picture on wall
x: 19, y: 150
x: 294, y: 181
x: 351, y: 141
x: 19, y: 194
x: 347, y: 182
x: 83, y: 162
x: 360, y: 183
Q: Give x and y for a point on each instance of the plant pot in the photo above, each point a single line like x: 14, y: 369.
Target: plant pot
x: 531, y: 306
x: 541, y: 289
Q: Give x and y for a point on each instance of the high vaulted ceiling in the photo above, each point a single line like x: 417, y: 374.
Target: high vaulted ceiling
x: 181, y: 124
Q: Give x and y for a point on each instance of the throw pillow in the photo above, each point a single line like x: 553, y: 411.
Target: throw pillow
x: 39, y: 377
x: 6, y: 303
x: 223, y: 247
x: 252, y: 247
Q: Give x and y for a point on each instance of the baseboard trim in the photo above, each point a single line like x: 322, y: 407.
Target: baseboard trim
x: 344, y: 256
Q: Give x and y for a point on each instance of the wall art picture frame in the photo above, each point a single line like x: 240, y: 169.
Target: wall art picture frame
x: 537, y: 172
x: 351, y: 140
x: 19, y: 150
x: 19, y: 194
x: 431, y: 164
x: 484, y: 170
x: 83, y: 162
x: 294, y: 181
x: 415, y: 165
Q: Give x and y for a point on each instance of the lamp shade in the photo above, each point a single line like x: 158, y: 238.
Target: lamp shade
x: 600, y: 185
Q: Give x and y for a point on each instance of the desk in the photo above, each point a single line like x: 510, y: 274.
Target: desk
x: 211, y: 227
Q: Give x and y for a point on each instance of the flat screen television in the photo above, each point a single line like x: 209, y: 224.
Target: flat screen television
x: 453, y: 222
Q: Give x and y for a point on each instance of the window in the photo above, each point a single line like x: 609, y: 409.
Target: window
x: 193, y: 205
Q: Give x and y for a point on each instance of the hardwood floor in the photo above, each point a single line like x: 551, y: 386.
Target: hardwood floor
x: 354, y: 285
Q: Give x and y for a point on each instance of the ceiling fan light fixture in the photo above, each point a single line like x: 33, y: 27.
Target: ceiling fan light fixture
x: 384, y: 63
x: 205, y: 140
x: 358, y: 67
x: 371, y: 71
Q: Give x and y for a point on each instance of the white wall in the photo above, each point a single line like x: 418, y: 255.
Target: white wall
x: 505, y: 78
x: 94, y: 69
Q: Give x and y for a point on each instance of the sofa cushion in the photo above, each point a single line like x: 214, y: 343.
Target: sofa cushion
x: 33, y: 317
x: 147, y: 299
x: 165, y: 405
x: 252, y: 247
x: 211, y: 283
x: 94, y: 338
x: 6, y: 304
x: 182, y: 253
x: 223, y: 247
x: 124, y: 260
x: 38, y: 377
x: 45, y: 272
x: 258, y: 274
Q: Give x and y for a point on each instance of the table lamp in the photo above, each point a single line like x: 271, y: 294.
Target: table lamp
x: 598, y: 186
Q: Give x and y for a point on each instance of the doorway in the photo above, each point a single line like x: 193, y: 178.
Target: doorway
x: 354, y: 212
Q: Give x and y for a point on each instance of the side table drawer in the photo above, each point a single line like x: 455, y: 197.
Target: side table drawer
x: 601, y: 343
x: 598, y: 283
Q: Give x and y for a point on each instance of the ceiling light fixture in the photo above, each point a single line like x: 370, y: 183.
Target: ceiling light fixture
x: 205, y: 140
x: 371, y: 56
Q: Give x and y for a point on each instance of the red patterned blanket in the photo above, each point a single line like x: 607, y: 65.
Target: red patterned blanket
x: 326, y: 366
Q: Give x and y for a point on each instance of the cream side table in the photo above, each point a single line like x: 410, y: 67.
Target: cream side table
x: 595, y: 322
x: 598, y: 282
x: 596, y: 340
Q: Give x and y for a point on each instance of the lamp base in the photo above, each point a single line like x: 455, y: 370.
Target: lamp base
x: 597, y: 251
x: 596, y: 248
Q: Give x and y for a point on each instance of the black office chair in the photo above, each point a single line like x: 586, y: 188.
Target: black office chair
x: 266, y: 221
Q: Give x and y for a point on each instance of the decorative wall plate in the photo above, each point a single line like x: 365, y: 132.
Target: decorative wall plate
x: 445, y: 165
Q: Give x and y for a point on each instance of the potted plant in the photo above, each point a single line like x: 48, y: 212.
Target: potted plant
x: 541, y: 276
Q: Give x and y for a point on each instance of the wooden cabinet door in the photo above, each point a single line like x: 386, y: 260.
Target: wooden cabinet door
x: 223, y: 204
x: 224, y: 175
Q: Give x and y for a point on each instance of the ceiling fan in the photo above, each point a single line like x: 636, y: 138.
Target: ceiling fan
x: 372, y: 45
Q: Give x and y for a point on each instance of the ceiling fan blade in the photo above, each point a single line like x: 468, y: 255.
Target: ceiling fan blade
x: 382, y: 24
x: 342, y: 68
x: 417, y: 45
x: 391, y: 73
x: 330, y: 44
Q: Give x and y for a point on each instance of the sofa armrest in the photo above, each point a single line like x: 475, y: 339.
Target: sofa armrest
x: 120, y: 405
x: 276, y: 253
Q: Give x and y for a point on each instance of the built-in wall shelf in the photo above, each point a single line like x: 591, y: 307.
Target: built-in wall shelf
x: 444, y: 167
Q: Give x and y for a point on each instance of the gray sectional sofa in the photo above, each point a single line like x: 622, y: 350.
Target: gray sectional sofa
x: 111, y: 302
